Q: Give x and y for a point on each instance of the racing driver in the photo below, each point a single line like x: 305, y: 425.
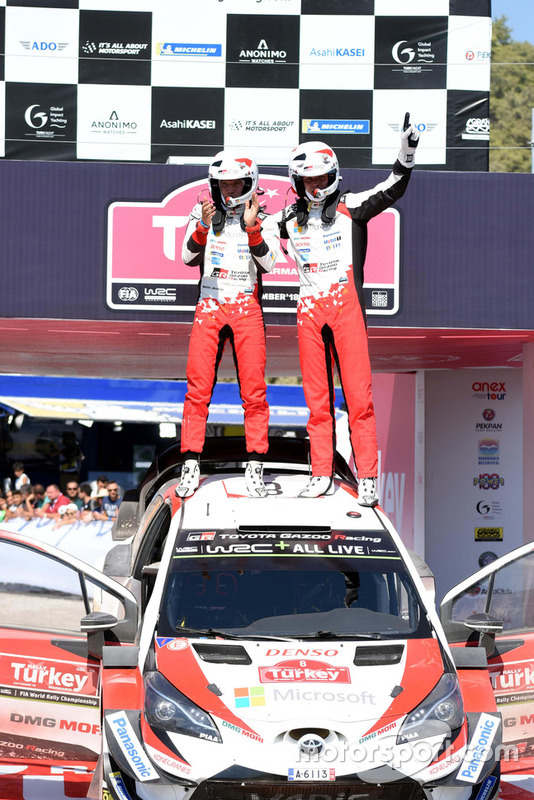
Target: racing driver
x: 224, y: 238
x: 327, y: 230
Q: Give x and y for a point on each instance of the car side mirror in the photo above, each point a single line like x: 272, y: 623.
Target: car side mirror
x: 94, y: 625
x: 488, y: 627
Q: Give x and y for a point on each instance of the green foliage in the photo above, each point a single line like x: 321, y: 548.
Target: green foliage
x: 511, y: 101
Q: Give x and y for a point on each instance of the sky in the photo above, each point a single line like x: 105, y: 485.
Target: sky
x: 520, y: 15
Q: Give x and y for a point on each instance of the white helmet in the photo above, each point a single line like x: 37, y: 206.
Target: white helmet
x: 309, y: 159
x: 232, y: 166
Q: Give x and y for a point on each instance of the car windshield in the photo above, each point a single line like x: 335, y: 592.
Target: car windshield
x: 309, y: 589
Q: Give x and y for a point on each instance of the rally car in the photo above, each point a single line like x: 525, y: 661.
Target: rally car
x: 239, y: 648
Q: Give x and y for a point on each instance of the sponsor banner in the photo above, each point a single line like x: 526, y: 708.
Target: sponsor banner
x: 114, y: 125
x: 468, y: 121
x: 323, y: 115
x: 428, y: 110
x: 339, y: 55
x: 145, y: 270
x: 469, y: 53
x: 410, y: 53
x: 334, y: 545
x: 114, y: 47
x: 40, y: 120
x: 482, y: 501
x: 262, y: 51
x: 41, y: 47
x: 178, y: 114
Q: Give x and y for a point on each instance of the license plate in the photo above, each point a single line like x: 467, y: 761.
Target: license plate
x: 311, y: 774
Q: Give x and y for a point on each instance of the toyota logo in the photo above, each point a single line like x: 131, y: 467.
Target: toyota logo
x: 311, y: 745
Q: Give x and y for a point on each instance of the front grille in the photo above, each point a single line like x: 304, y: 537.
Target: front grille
x: 336, y: 790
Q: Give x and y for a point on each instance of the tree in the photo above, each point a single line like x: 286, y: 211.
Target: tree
x: 511, y: 100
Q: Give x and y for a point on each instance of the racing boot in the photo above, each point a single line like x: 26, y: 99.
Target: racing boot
x: 318, y: 486
x: 367, y: 493
x: 254, y: 479
x: 189, y: 479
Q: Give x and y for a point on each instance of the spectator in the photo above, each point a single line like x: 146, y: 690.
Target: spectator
x: 67, y: 515
x: 84, y: 494
x: 21, y: 479
x: 17, y: 508
x: 3, y: 507
x: 110, y: 503
x: 97, y: 498
x: 56, y: 501
x: 70, y: 460
x: 71, y: 492
x: 35, y: 499
x: 100, y: 483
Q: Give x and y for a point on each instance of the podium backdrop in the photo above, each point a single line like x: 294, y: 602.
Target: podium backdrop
x: 144, y: 80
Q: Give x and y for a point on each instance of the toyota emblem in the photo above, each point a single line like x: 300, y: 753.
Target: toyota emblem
x: 311, y: 745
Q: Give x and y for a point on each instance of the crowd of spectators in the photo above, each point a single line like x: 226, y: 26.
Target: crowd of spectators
x: 85, y: 502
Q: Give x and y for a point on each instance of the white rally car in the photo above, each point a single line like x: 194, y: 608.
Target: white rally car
x: 242, y: 649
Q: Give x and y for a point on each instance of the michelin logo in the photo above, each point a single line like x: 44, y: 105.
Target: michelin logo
x: 479, y: 749
x: 131, y: 747
x: 188, y: 49
x: 335, y: 126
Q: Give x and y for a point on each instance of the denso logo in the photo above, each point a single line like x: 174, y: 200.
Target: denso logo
x: 302, y: 652
x: 302, y: 671
x: 494, y: 390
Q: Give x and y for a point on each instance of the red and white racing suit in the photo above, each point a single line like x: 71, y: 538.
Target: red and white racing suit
x: 331, y: 319
x: 228, y: 308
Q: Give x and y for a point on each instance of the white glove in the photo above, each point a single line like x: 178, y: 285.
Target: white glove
x: 409, y: 142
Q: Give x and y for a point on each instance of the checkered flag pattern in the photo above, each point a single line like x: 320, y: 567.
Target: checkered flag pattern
x: 145, y: 80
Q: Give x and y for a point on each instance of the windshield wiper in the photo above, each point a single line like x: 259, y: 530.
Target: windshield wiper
x: 337, y: 635
x: 228, y: 635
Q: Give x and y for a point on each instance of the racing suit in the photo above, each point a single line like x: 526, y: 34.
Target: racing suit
x: 331, y: 319
x: 228, y: 308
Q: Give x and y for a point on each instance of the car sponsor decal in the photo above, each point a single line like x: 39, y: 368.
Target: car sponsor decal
x: 479, y: 749
x: 328, y: 545
x: 182, y: 669
x: 249, y: 696
x: 424, y: 658
x: 44, y: 679
x: 303, y: 671
x: 117, y: 782
x: 131, y: 746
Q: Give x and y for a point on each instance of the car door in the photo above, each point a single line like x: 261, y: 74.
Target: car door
x: 505, y: 590
x: 49, y: 683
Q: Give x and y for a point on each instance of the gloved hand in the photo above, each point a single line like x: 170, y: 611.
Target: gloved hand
x: 409, y: 142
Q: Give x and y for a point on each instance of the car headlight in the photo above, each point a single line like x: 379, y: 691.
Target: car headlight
x: 168, y: 709
x: 440, y: 712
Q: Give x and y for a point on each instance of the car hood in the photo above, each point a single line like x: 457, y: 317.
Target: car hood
x: 254, y: 683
